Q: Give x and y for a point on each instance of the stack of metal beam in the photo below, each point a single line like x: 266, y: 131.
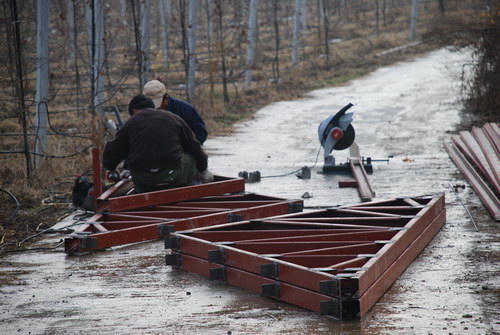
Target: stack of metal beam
x: 123, y: 217
x: 336, y: 262
x: 476, y: 153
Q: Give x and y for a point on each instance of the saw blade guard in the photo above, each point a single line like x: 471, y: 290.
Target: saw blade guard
x: 336, y: 132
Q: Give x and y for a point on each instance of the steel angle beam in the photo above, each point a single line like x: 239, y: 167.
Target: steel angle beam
x: 268, y: 287
x: 220, y: 185
x: 486, y: 159
x: 362, y: 182
x: 353, y: 265
x: 493, y: 132
x: 389, y: 276
x: 483, y: 191
x: 108, y: 229
x: 376, y: 266
x: 491, y: 154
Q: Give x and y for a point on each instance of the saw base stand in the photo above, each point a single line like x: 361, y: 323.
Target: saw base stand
x: 331, y: 167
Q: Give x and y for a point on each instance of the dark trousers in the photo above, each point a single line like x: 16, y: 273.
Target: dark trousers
x: 148, y: 181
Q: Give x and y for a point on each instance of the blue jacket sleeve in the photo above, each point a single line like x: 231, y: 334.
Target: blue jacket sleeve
x: 189, y: 114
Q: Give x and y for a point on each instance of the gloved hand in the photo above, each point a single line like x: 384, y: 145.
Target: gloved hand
x: 112, y: 176
x: 207, y: 176
x: 125, y: 174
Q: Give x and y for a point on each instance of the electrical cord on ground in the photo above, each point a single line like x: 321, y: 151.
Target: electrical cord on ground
x: 290, y: 173
x: 35, y: 249
x: 281, y: 175
x: 78, y: 220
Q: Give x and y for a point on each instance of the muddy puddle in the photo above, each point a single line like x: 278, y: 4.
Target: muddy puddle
x: 402, y: 114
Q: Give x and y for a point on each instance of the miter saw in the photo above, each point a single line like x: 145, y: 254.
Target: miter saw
x: 336, y: 132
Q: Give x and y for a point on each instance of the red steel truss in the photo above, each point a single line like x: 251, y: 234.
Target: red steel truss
x: 123, y: 217
x: 336, y: 262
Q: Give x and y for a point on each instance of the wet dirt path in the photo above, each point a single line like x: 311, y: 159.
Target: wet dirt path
x: 404, y: 111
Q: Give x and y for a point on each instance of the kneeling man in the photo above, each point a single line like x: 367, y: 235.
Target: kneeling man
x: 160, y: 149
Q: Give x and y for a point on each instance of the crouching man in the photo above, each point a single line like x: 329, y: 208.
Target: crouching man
x: 160, y: 149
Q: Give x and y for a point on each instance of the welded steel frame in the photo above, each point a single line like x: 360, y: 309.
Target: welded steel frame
x: 165, y: 211
x: 336, y: 262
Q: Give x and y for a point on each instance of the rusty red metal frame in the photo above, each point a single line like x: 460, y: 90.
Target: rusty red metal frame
x: 336, y: 262
x: 365, y: 189
x: 125, y: 218
x: 483, y: 191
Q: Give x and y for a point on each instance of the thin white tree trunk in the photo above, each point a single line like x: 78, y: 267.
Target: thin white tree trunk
x: 303, y: 23
x: 296, y: 31
x: 145, y: 52
x: 413, y: 22
x: 165, y: 21
x: 71, y: 29
x: 252, y: 33
x: 191, y: 42
x: 42, y: 78
x: 123, y: 11
x: 99, y: 57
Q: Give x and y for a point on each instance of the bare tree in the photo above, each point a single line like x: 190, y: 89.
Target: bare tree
x: 276, y: 61
x: 413, y: 21
x: 42, y: 78
x: 220, y: 33
x: 324, y: 9
x: 16, y: 57
x: 145, y: 12
x: 297, y: 19
x: 164, y: 14
x: 191, y: 45
x: 252, y: 36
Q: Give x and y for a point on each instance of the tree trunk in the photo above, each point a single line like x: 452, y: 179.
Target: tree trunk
x: 191, y: 43
x: 252, y: 33
x: 413, y: 21
x: 42, y: 79
x: 296, y: 32
x: 221, y: 49
x: 145, y: 10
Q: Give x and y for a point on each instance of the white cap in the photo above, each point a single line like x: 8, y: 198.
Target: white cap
x: 155, y: 90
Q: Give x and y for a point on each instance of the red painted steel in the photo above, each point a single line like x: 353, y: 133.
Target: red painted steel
x: 487, y: 196
x: 221, y: 185
x: 385, y: 280
x: 460, y: 144
x: 364, y: 187
x: 301, y: 252
x: 347, y: 183
x: 493, y: 132
x: 481, y: 149
x: 288, y: 293
x: 108, y: 229
x: 491, y: 156
x: 96, y: 167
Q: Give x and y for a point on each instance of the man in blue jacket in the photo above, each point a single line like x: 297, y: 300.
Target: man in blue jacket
x: 156, y: 91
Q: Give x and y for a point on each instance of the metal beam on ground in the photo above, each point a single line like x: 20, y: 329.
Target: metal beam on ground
x: 334, y: 270
x: 365, y: 190
x: 140, y: 220
x: 219, y: 186
x: 483, y: 191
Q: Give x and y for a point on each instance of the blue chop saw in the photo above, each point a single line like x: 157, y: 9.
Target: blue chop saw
x: 337, y: 133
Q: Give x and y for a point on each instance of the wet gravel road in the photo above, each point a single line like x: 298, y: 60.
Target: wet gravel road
x: 404, y: 111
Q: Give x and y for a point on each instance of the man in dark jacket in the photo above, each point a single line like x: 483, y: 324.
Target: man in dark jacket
x: 157, y: 92
x: 160, y: 149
